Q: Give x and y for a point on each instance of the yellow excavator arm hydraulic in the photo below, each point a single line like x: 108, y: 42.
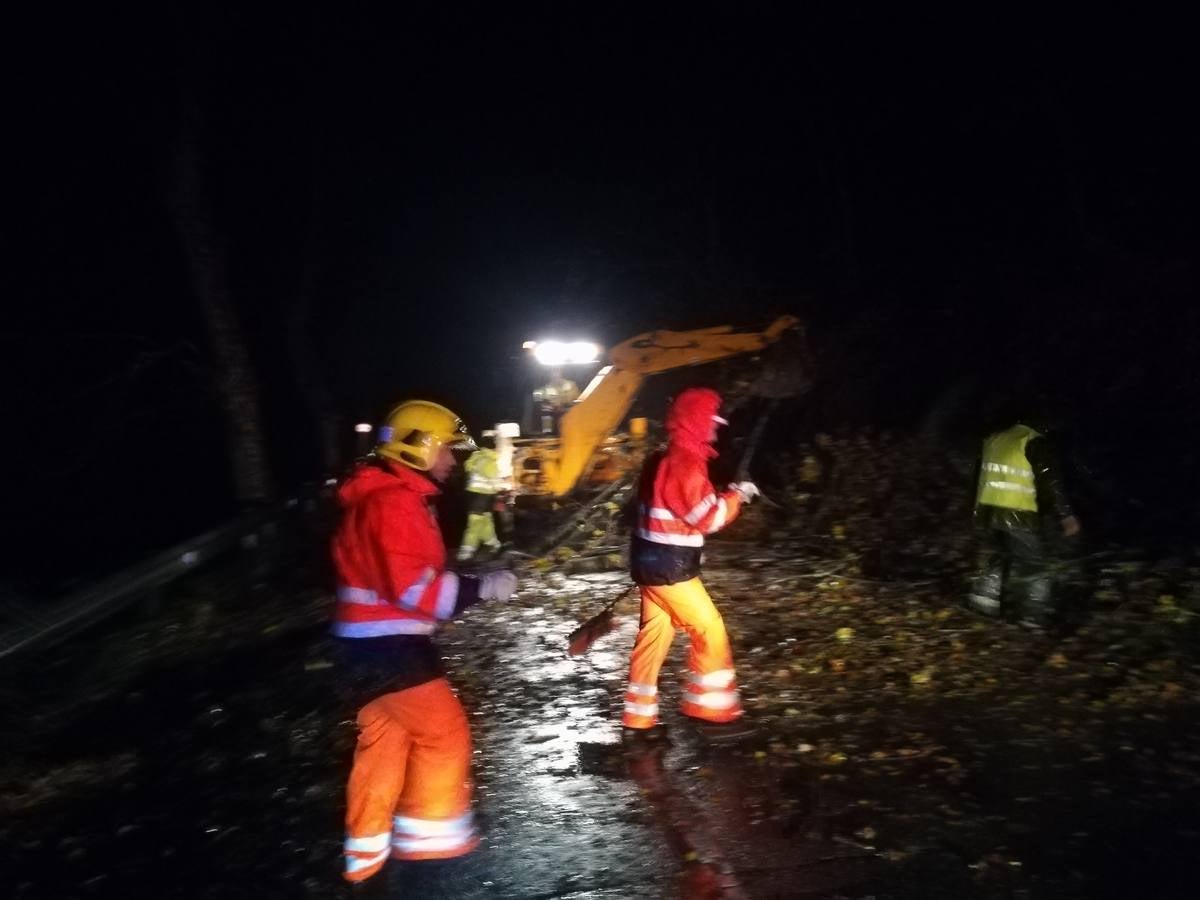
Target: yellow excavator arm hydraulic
x: 603, y: 406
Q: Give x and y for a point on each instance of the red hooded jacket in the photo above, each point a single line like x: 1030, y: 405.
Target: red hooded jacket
x: 678, y: 505
x: 389, y: 555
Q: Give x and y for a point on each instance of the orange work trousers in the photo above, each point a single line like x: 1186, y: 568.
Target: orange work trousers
x: 409, y: 795
x: 711, y: 691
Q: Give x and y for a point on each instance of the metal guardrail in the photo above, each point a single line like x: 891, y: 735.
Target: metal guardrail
x: 58, y: 619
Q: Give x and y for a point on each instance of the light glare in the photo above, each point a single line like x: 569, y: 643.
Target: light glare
x: 561, y: 353
x: 550, y: 353
x: 583, y: 352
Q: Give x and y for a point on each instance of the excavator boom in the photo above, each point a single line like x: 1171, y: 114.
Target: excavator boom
x: 659, y: 351
x: 603, y: 406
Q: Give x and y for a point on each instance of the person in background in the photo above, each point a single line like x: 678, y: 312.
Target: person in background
x: 1019, y: 486
x: 484, y: 485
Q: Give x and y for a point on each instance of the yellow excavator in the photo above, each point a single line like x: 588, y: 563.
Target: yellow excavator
x: 587, y: 451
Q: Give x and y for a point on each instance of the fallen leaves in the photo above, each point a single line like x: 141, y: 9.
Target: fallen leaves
x: 853, y: 609
x: 922, y: 677
x: 864, y: 672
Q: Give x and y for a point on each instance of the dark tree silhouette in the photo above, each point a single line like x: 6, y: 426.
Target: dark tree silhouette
x: 193, y: 214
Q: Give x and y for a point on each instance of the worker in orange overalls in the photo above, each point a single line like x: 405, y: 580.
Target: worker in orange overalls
x: 409, y: 795
x: 678, y: 506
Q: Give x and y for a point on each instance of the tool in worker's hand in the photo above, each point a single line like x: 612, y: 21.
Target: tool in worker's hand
x: 752, y: 442
x: 581, y: 639
x: 756, y: 433
x: 785, y: 374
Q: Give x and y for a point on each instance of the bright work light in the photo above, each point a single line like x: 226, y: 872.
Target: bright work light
x: 562, y: 353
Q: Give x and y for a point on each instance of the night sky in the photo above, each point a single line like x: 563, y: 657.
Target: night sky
x: 1005, y: 198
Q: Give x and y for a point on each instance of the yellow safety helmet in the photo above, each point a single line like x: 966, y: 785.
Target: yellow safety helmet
x: 416, y: 430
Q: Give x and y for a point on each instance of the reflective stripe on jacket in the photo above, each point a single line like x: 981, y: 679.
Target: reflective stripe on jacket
x: 389, y: 555
x: 1006, y: 477
x: 678, y: 506
x: 483, y: 472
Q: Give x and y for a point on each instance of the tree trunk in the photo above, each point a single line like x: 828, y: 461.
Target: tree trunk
x: 309, y: 382
x: 205, y: 253
x: 306, y: 370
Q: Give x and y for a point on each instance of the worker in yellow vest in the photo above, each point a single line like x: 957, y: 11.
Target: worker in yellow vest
x: 1019, y: 483
x: 484, y: 485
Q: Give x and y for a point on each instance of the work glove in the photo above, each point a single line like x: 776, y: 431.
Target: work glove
x: 747, y: 490
x: 497, y: 585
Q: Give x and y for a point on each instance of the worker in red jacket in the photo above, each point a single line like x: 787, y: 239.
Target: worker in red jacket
x: 409, y: 795
x: 678, y: 506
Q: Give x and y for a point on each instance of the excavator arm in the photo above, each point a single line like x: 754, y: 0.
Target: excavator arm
x: 605, y: 403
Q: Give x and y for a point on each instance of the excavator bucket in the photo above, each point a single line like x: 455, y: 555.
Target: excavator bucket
x: 786, y: 368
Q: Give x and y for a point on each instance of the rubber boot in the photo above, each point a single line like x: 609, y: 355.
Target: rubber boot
x: 725, y: 732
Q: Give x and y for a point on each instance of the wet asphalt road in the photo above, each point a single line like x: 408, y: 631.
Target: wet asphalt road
x: 202, y: 753
x: 572, y: 813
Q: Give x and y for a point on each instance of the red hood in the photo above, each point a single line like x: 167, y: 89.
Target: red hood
x: 689, y: 421
x: 367, y: 479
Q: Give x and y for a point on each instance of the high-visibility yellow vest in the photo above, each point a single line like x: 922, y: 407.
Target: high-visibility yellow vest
x: 1006, y: 477
x: 483, y: 472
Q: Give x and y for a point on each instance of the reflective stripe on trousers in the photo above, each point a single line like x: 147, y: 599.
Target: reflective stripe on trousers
x: 425, y: 838
x: 709, y: 696
x: 409, y: 793
x: 641, y: 705
x: 711, y: 692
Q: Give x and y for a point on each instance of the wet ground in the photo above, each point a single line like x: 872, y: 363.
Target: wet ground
x: 201, y: 753
x: 904, y: 750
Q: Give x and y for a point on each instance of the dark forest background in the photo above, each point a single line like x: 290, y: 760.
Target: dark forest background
x: 300, y: 215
